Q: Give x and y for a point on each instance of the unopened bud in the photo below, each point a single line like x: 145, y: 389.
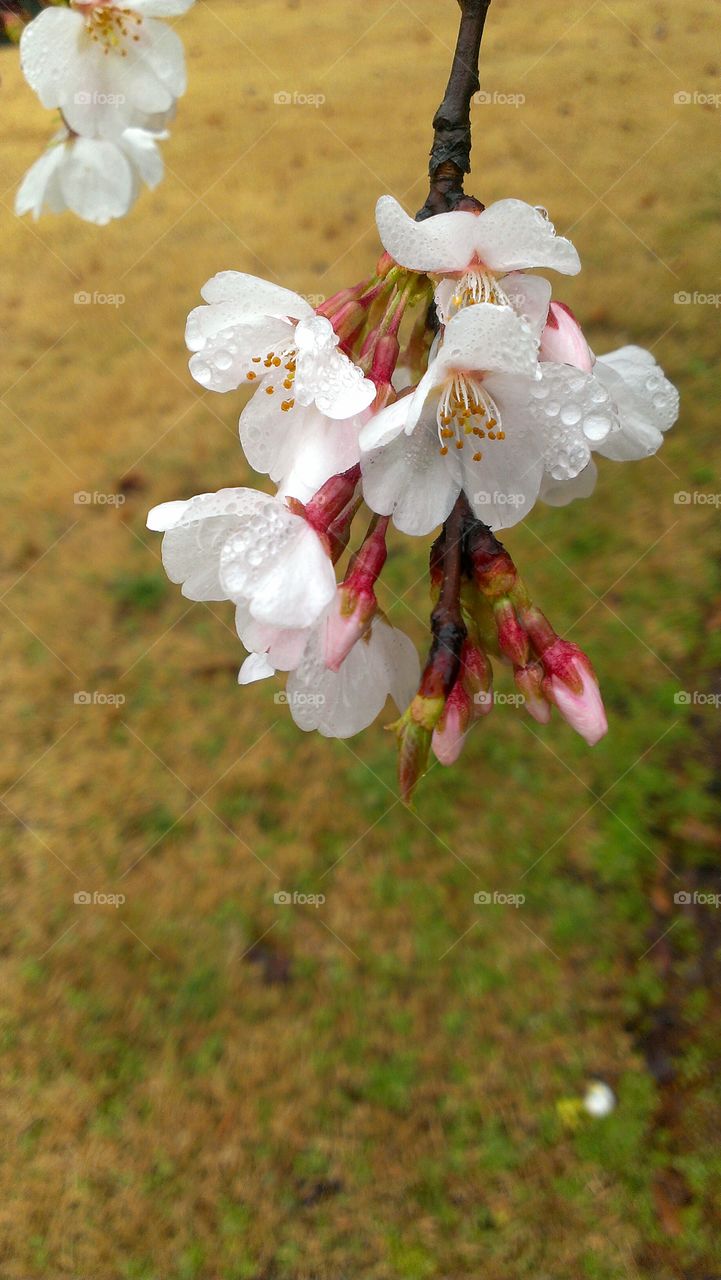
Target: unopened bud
x: 570, y: 682
x: 562, y: 340
x: 529, y: 682
x: 385, y: 358
x: 449, y: 734
x: 348, y: 319
x: 414, y: 731
x: 348, y: 619
x: 512, y: 638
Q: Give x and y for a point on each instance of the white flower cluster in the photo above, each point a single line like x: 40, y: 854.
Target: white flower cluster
x: 115, y: 73
x: 495, y: 401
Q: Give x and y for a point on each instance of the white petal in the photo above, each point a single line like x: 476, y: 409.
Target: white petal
x: 503, y: 486
x: 97, y: 180
x: 325, y: 375
x: 255, y: 667
x: 48, y: 46
x: 530, y: 297
x: 385, y: 425
x: 486, y: 337
x: 397, y: 654
x: 441, y: 243
x: 160, y: 52
x: 511, y: 235
x: 279, y: 564
x: 341, y: 704
x: 196, y: 532
x: 144, y: 154
x: 412, y: 480
x: 558, y: 493
x: 222, y: 361
x: 573, y: 413
x: 300, y: 449
x: 647, y: 402
x: 251, y: 295
x: 40, y: 186
x: 162, y: 8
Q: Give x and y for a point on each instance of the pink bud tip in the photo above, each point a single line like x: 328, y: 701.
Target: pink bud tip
x: 562, y: 340
x: 576, y: 693
x: 449, y: 734
x: 347, y: 621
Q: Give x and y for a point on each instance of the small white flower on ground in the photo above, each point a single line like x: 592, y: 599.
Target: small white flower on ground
x: 599, y: 1099
x: 93, y: 178
x: 243, y: 545
x: 107, y: 67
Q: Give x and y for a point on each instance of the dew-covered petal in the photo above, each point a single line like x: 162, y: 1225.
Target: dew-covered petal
x: 279, y: 564
x: 441, y: 243
x: 223, y: 361
x: 646, y: 401
x: 511, y: 235
x: 573, y: 413
x: 324, y: 375
x: 486, y: 337
x: 558, y: 493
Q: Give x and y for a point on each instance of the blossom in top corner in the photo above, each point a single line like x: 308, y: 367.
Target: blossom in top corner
x: 106, y: 66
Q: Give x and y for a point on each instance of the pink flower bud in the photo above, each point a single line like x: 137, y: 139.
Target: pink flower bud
x: 562, y: 340
x: 512, y: 638
x: 571, y: 683
x: 449, y: 734
x: 477, y: 678
x: 529, y: 682
x: 348, y: 619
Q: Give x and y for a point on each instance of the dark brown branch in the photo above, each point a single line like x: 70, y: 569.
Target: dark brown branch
x: 447, y: 626
x: 450, y: 156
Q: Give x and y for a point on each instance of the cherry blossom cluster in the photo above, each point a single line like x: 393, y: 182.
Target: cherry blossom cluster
x: 115, y: 73
x: 447, y: 390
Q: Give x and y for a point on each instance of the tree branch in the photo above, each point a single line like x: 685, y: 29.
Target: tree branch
x: 450, y: 156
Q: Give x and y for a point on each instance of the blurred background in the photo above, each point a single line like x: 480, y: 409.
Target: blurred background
x: 198, y: 1082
